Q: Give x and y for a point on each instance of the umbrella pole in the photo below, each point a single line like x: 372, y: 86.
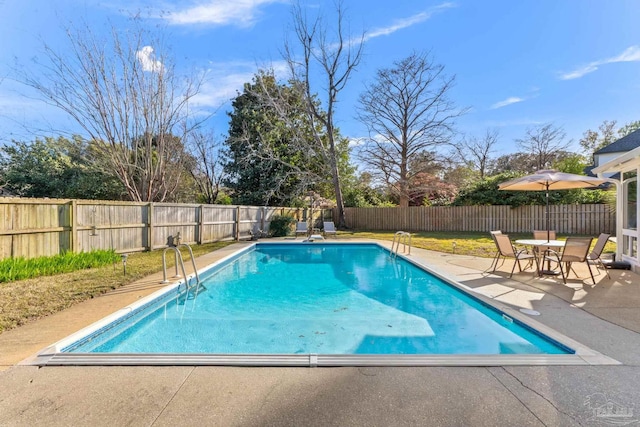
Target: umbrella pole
x: 548, y: 216
x: 548, y: 270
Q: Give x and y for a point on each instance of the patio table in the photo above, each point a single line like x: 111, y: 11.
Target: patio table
x: 538, y: 243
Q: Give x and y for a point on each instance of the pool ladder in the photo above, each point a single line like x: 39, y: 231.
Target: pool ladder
x: 180, y: 262
x: 401, y: 237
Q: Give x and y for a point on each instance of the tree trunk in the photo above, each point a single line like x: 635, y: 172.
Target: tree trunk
x: 342, y: 223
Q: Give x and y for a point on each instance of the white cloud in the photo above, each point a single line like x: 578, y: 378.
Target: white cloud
x: 408, y: 22
x: 242, y: 13
x: 226, y: 79
x: 220, y: 89
x: 146, y: 58
x: 508, y: 101
x: 357, y: 141
x: 631, y: 54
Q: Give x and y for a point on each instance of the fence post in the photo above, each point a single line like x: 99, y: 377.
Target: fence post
x: 263, y: 212
x: 73, y: 236
x: 237, y: 223
x: 150, y: 225
x: 199, y: 240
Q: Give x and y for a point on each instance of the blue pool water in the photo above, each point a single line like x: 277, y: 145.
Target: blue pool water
x: 323, y: 299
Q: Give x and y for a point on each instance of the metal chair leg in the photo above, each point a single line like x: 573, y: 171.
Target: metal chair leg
x: 567, y: 266
x: 591, y: 272
x: 495, y: 261
x: 496, y: 265
x: 604, y: 267
x: 515, y: 261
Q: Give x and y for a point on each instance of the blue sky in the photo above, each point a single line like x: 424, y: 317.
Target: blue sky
x: 518, y: 63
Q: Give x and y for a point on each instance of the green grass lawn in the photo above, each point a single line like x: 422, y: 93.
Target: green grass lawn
x: 463, y: 243
x: 24, y: 300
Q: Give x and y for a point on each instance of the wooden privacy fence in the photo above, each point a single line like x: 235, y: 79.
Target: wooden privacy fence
x: 37, y: 227
x: 41, y: 227
x: 565, y: 219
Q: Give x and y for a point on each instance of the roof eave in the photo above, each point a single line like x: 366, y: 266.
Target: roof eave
x: 623, y: 163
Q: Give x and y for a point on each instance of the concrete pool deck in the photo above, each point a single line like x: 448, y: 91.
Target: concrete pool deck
x: 605, y: 318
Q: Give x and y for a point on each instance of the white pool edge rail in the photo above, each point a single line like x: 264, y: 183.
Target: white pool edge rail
x: 315, y: 360
x: 53, y: 355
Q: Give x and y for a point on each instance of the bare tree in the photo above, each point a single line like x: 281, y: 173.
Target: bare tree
x: 206, y: 166
x: 628, y: 128
x: 477, y: 151
x: 543, y: 142
x: 335, y: 59
x: 407, y: 112
x: 124, y: 92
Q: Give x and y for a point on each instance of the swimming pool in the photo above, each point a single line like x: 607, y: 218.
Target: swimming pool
x: 315, y: 304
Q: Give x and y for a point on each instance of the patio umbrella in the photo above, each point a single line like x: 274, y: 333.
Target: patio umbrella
x: 545, y: 180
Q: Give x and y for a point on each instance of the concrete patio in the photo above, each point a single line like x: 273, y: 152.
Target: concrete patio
x: 605, y: 317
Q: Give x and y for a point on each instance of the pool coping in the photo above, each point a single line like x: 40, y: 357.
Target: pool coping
x: 53, y: 356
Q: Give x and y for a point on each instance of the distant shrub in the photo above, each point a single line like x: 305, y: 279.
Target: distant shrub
x: 281, y: 225
x: 486, y: 192
x: 223, y: 199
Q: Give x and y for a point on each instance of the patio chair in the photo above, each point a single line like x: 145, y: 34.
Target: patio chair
x: 542, y: 235
x: 595, y: 254
x: 301, y: 228
x: 497, y: 255
x: 576, y: 249
x: 329, y: 228
x: 506, y: 250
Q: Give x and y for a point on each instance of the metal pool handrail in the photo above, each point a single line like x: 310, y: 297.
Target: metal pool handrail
x: 179, y: 261
x: 398, y: 238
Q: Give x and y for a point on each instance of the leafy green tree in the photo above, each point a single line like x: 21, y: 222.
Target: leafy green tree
x: 58, y: 168
x: 460, y: 176
x: 519, y: 162
x: 223, y: 199
x: 346, y: 169
x: 525, y: 163
x: 266, y: 160
x: 572, y: 163
x: 359, y: 193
